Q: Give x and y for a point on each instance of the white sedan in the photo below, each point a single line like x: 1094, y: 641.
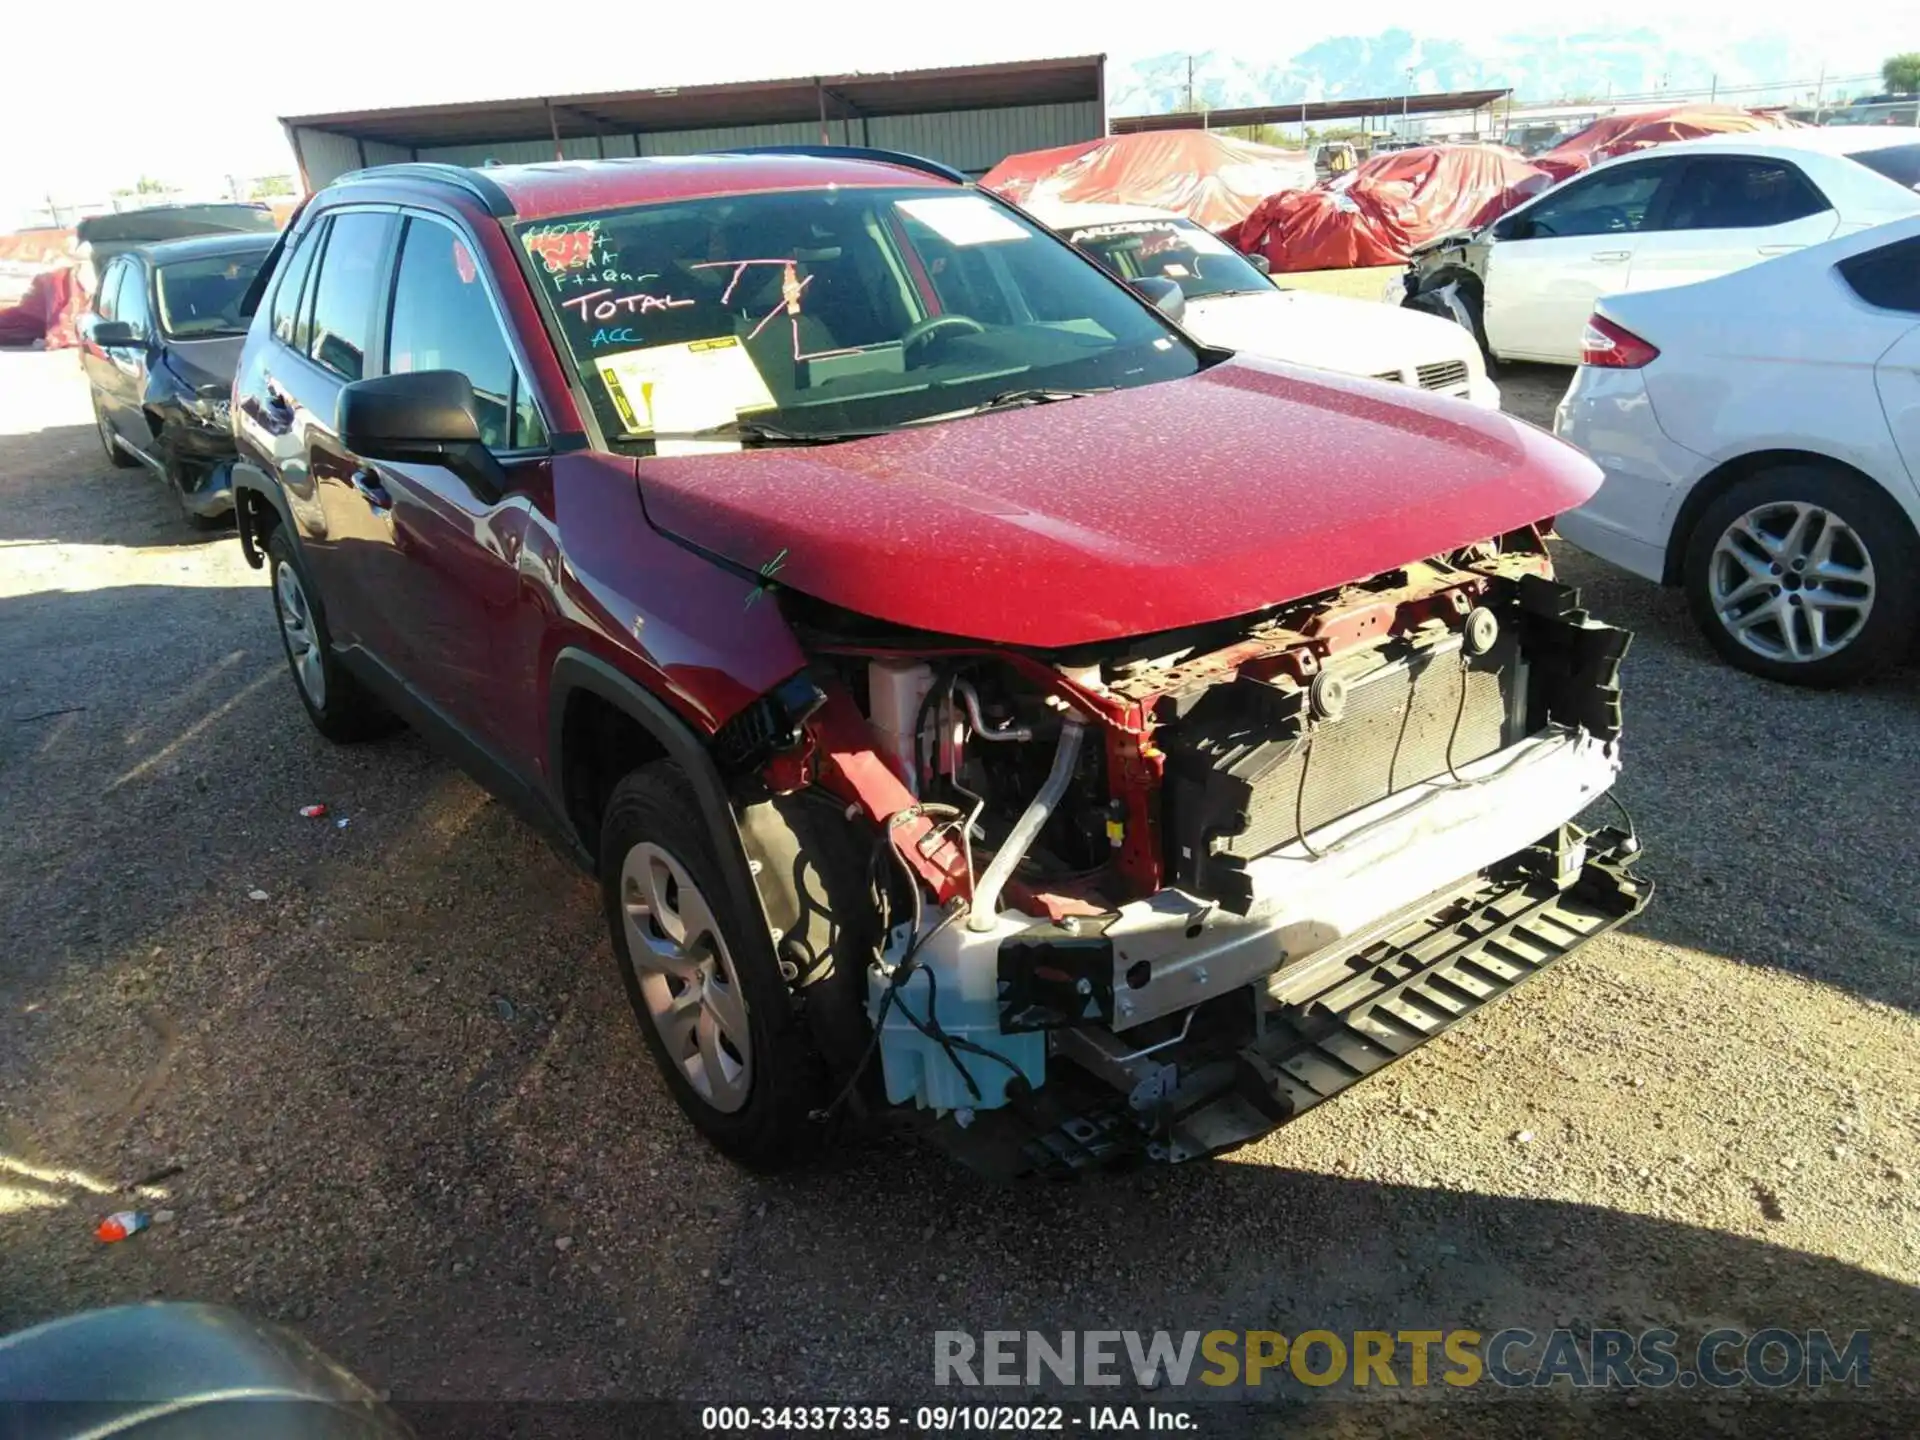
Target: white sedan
x: 1231, y: 304
x: 1760, y: 435
x: 1666, y: 216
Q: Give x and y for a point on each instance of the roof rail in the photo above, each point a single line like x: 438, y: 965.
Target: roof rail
x: 474, y: 182
x: 853, y: 152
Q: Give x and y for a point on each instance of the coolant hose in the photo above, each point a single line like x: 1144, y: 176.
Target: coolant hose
x: 986, y: 895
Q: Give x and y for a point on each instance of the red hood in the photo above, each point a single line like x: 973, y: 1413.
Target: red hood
x: 1122, y: 514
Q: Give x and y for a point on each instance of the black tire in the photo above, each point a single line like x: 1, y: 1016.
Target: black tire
x: 119, y: 458
x: 807, y: 1028
x: 1878, y: 528
x: 345, y: 710
x: 1471, y: 301
x: 195, y: 520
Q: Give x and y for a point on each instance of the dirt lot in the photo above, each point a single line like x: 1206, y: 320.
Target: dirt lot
x: 410, y: 1112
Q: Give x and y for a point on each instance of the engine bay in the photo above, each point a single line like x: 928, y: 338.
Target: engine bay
x: 1088, y: 858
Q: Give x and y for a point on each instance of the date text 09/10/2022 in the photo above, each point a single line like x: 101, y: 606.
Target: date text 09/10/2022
x: 943, y: 1419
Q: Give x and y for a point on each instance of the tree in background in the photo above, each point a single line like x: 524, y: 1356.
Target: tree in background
x: 145, y: 185
x: 265, y: 187
x: 1901, y: 73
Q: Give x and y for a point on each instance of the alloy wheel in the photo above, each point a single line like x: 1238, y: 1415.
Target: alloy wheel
x: 303, y: 644
x: 1791, y: 581
x: 686, y: 976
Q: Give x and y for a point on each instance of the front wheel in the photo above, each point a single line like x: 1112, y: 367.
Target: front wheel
x: 741, y: 1037
x: 1805, y: 574
x: 116, y: 456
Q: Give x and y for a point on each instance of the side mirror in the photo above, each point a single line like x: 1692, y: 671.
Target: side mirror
x: 112, y: 334
x: 1260, y: 263
x: 423, y: 418
x: 1163, y: 294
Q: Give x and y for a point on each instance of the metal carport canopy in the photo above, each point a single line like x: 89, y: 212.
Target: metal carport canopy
x: 1309, y: 111
x: 820, y: 98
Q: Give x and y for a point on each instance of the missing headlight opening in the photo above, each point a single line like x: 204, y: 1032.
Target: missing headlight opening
x: 1153, y: 898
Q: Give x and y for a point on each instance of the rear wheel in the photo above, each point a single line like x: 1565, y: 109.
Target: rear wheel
x: 120, y: 459
x: 340, y: 707
x: 1804, y: 573
x: 741, y: 1038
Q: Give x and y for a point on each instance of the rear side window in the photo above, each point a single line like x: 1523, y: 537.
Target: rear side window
x: 1736, y: 193
x: 1888, y: 277
x: 294, y: 266
x: 444, y: 320
x: 1899, y: 163
x: 343, y: 296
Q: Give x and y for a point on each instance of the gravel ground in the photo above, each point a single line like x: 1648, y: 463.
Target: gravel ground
x: 391, y: 1069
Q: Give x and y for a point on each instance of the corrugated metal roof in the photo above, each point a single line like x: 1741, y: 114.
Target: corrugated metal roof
x: 1308, y: 112
x: 752, y: 102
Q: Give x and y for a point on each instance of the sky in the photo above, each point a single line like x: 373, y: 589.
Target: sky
x: 202, y: 98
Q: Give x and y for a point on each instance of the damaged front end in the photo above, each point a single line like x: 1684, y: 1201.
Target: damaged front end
x: 1153, y: 898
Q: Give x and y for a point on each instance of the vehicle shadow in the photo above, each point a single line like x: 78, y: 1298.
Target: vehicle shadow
x: 1798, y: 784
x: 62, y: 488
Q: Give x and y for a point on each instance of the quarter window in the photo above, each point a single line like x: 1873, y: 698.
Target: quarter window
x: 1888, y: 277
x: 443, y: 320
x: 344, y: 294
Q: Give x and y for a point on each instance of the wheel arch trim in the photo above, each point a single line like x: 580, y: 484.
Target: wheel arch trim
x: 575, y: 670
x: 1722, y: 477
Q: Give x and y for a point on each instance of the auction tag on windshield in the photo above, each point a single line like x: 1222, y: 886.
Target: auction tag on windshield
x: 964, y: 219
x: 690, y: 386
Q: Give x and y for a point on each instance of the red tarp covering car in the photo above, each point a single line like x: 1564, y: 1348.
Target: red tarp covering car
x: 1213, y: 180
x: 1622, y: 134
x: 49, y: 311
x: 1383, y: 208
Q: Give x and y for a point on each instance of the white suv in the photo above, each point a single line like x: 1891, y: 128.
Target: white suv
x: 1671, y: 215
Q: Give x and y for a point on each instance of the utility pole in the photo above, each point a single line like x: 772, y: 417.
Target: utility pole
x: 1820, y: 93
x: 1405, y: 96
x: 1713, y: 88
x: 1190, y: 84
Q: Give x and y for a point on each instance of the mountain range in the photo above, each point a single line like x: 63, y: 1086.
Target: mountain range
x: 1541, y: 66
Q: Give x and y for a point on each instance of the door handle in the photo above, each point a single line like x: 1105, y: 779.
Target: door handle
x: 1610, y: 257
x: 372, y: 491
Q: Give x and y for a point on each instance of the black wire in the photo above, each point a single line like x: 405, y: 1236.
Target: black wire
x: 1626, y: 815
x: 901, y: 973
x: 1300, y: 796
x: 1460, y: 710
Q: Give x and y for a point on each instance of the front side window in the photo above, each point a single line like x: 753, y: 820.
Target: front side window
x: 131, y: 306
x: 443, y: 320
x: 825, y: 311
x: 1739, y: 193
x: 1613, y: 202
x: 343, y: 298
x: 1201, y: 264
x: 201, y: 297
x: 106, y: 300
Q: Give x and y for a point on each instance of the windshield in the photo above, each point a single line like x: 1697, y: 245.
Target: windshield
x: 1201, y: 264
x: 821, y: 311
x: 1899, y: 163
x: 202, y: 297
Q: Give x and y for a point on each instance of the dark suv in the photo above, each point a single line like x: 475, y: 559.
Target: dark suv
x: 976, y: 699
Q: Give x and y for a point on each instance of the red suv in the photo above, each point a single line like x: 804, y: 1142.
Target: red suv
x: 980, y: 703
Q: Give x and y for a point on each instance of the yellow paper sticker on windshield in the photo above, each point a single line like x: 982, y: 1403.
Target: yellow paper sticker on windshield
x: 678, y: 389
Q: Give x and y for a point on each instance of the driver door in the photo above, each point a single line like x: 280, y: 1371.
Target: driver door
x: 1552, y: 259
